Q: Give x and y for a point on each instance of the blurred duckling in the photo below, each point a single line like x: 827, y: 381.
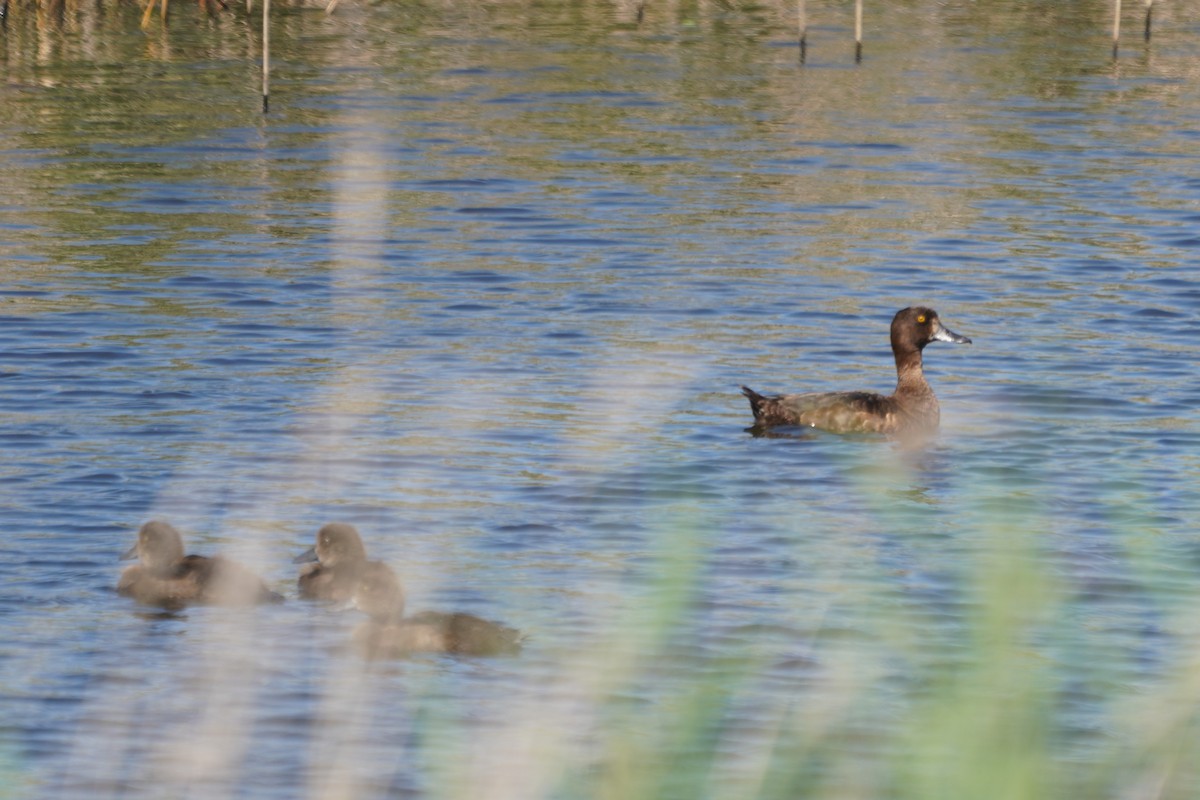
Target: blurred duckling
x: 389, y: 634
x: 339, y: 558
x: 166, y: 577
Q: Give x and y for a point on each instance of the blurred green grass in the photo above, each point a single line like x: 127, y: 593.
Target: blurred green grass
x: 995, y: 717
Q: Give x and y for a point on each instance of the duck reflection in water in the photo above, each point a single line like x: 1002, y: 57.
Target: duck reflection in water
x: 166, y: 577
x: 390, y: 634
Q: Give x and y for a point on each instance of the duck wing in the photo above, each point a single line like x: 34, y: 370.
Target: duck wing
x: 469, y: 634
x: 840, y: 412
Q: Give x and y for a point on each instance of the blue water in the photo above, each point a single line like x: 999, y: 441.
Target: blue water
x: 485, y: 283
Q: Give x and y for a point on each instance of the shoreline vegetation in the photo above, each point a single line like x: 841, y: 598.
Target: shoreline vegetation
x: 834, y: 23
x: 832, y: 31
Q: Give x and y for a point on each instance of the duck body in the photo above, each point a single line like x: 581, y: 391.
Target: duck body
x: 390, y: 634
x: 847, y: 412
x: 437, y: 632
x: 912, y: 409
x: 166, y: 577
x: 332, y: 565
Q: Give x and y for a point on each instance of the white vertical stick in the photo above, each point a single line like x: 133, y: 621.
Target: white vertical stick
x: 266, y: 54
x: 858, y: 31
x: 1116, y: 25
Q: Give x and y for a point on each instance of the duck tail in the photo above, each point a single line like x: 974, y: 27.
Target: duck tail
x: 756, y: 401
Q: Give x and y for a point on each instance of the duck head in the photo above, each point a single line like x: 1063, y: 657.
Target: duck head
x: 379, y: 593
x: 916, y: 326
x: 337, y: 543
x: 159, y: 547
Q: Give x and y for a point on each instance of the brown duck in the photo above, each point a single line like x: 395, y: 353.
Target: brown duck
x: 166, y: 577
x: 910, y: 410
x: 390, y: 634
x: 339, y: 558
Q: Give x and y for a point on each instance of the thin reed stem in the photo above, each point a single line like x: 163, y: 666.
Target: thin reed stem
x: 858, y: 19
x: 266, y: 56
x: 802, y: 24
x: 1116, y: 36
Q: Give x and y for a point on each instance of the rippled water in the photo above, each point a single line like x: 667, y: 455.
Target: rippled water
x: 485, y: 282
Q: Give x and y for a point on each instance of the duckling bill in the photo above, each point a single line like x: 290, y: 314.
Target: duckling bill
x: 912, y: 409
x: 166, y: 577
x: 390, y: 634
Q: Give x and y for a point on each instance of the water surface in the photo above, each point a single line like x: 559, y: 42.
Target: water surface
x: 485, y: 283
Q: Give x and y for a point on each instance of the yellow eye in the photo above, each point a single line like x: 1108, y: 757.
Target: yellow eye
x: 921, y: 318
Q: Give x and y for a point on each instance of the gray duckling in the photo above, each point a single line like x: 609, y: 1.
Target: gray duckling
x: 332, y: 565
x: 390, y: 634
x: 912, y: 409
x: 166, y: 577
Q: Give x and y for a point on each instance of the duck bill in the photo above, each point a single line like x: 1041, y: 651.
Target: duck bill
x: 129, y: 554
x: 307, y: 557
x: 944, y: 334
